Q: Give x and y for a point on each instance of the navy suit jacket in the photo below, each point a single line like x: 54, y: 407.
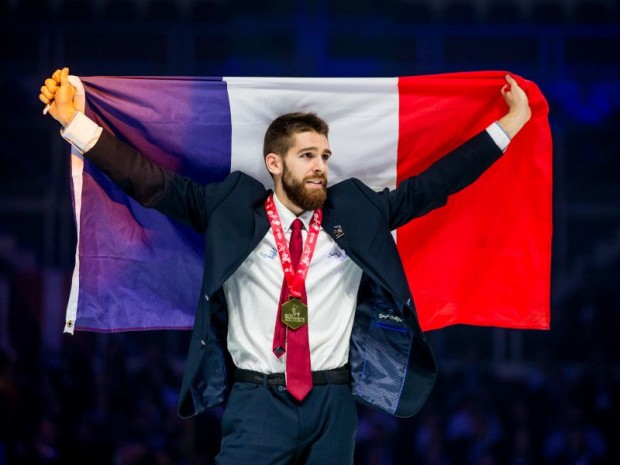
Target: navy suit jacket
x: 392, y: 365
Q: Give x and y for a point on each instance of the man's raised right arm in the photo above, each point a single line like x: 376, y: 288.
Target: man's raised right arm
x: 137, y: 176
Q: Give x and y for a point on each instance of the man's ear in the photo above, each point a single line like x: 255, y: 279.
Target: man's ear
x: 273, y: 162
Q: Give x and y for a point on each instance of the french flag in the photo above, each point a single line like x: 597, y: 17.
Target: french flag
x: 483, y: 259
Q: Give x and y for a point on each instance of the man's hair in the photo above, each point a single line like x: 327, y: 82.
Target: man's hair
x: 279, y: 134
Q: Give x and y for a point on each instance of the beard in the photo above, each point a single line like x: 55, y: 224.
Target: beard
x: 300, y: 195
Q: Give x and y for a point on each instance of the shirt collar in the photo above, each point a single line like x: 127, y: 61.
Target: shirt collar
x: 287, y: 217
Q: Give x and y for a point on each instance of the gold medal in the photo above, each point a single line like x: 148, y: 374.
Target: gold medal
x: 294, y: 313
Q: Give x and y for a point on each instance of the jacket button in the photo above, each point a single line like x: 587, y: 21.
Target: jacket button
x: 206, y: 297
x: 203, y: 343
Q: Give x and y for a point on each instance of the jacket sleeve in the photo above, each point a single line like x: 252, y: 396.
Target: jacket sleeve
x: 430, y: 189
x: 153, y: 186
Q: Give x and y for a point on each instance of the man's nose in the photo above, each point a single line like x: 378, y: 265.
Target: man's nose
x: 319, y: 165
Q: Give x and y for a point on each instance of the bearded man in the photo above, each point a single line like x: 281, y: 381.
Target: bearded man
x: 305, y: 307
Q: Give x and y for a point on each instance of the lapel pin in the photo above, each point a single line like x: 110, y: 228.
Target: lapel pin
x: 338, y: 231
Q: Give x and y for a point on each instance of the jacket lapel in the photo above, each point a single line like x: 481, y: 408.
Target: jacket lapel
x: 337, y: 230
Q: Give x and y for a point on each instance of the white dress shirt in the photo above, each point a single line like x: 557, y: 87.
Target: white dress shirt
x: 253, y: 292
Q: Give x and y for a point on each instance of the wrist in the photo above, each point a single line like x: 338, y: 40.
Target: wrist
x: 513, y: 121
x: 66, y: 117
x: 521, y: 115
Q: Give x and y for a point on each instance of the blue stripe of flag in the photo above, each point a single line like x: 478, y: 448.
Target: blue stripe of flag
x: 182, y: 124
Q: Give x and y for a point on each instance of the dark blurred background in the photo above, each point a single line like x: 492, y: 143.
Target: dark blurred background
x: 503, y: 397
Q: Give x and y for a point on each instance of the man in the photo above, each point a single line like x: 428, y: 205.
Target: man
x: 291, y: 334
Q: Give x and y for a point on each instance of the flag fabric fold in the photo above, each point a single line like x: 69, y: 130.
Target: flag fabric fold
x: 483, y: 259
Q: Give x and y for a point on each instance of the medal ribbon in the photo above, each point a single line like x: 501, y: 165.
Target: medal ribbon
x: 295, y: 279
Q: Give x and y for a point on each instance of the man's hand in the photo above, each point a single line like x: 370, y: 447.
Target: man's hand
x: 519, y: 111
x: 58, y: 93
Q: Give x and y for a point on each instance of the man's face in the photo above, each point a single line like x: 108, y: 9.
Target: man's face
x: 304, y: 173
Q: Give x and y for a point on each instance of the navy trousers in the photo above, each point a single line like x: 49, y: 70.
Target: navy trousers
x: 265, y: 425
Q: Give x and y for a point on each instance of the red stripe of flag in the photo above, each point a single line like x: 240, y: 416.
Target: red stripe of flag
x: 484, y: 258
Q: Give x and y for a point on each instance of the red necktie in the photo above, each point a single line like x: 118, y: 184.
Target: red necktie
x: 298, y: 371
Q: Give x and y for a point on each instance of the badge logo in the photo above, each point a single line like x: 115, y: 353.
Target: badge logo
x: 338, y: 231
x: 294, y: 313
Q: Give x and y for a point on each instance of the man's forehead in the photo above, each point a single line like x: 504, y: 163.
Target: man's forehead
x: 309, y: 139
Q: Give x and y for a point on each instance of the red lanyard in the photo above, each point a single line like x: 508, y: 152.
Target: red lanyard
x: 294, y: 278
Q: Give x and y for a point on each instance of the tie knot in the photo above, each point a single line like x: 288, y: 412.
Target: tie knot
x: 297, y: 225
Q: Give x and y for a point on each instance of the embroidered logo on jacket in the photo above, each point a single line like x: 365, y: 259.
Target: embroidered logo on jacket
x: 386, y: 316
